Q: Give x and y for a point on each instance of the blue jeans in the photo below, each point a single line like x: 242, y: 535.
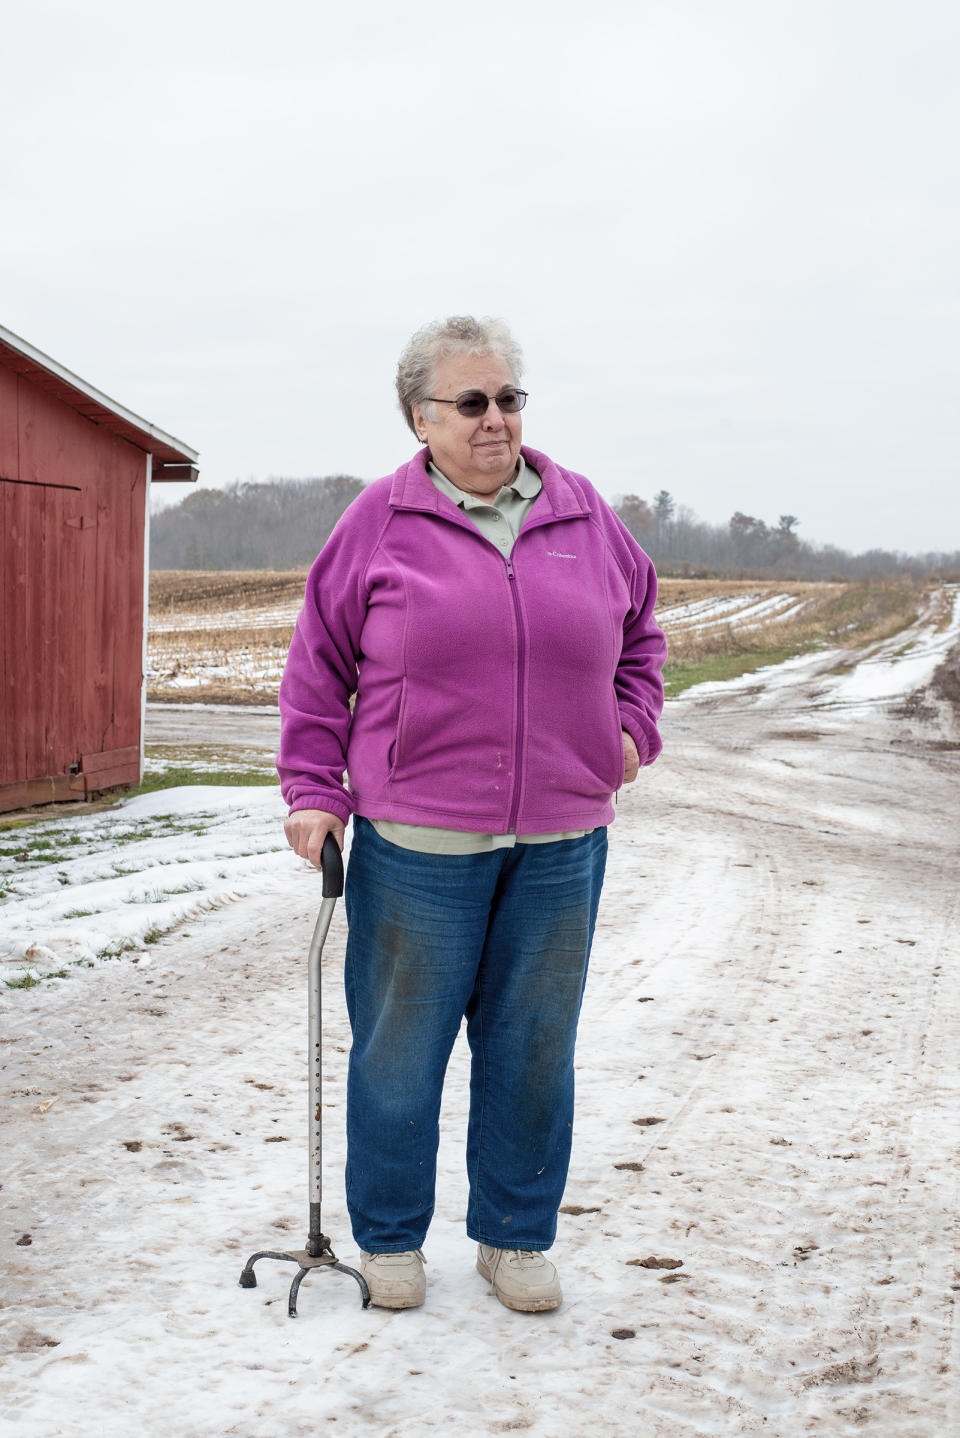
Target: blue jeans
x: 504, y: 939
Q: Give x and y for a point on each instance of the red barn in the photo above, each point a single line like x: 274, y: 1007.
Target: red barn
x: 75, y: 476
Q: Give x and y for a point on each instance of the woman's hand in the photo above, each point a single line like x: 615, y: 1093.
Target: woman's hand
x: 306, y: 830
x: 631, y: 758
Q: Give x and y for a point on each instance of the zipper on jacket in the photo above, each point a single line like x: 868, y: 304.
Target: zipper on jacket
x: 521, y: 686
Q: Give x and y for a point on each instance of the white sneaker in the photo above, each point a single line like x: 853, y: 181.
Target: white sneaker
x: 521, y: 1279
x: 395, y: 1280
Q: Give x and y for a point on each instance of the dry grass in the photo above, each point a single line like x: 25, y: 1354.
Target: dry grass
x: 843, y: 614
x: 688, y: 591
x: 223, y: 636
x: 174, y: 591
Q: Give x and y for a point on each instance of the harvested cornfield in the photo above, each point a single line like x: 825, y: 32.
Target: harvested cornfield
x: 222, y: 636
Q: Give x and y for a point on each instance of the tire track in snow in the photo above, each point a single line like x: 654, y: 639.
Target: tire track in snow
x: 773, y: 1323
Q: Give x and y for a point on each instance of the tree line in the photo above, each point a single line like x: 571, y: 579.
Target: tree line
x: 283, y: 523
x: 253, y: 524
x: 681, y: 544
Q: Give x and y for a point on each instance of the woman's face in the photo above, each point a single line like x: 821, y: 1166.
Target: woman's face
x: 477, y: 455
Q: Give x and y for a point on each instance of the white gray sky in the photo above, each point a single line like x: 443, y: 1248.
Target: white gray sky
x: 725, y: 232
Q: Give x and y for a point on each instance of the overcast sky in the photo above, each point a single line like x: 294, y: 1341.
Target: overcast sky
x: 724, y: 231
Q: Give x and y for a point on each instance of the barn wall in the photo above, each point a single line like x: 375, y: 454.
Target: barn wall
x: 9, y: 596
x: 71, y: 537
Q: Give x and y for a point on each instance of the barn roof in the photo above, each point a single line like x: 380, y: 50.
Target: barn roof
x: 45, y: 372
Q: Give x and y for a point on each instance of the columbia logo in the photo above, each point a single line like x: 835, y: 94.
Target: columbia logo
x: 556, y: 554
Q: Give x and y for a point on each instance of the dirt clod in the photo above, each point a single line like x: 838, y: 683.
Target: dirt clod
x: 30, y: 1340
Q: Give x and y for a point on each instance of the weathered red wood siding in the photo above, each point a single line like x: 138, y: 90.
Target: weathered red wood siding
x: 72, y: 498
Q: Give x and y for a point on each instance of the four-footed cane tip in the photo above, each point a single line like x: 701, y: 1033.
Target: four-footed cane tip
x: 248, y: 1279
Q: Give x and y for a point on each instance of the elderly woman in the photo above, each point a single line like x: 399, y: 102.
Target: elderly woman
x: 494, y: 620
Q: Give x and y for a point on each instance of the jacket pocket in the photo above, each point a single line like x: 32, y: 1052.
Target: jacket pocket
x: 395, y: 752
x: 616, y: 779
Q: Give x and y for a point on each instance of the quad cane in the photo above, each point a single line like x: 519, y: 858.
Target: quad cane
x: 317, y: 1252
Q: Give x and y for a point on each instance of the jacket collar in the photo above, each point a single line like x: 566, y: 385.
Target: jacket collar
x: 562, y: 496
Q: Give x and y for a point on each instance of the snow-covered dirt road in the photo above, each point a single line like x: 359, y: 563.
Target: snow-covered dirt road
x: 760, y: 1232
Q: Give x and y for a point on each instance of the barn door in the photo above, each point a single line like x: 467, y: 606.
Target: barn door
x: 42, y: 638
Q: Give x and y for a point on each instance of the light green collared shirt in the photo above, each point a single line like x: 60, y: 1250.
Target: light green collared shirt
x: 501, y: 518
x: 499, y: 521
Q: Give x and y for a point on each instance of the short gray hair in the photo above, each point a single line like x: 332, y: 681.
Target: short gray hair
x: 461, y: 334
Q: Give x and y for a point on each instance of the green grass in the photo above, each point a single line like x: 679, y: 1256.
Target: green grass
x: 160, y: 827
x: 117, y: 947
x: 36, y: 853
x: 28, y: 981
x: 35, y: 844
x: 157, y: 896
x: 49, y: 849
x: 175, y: 778
x: 37, y: 848
x: 682, y: 674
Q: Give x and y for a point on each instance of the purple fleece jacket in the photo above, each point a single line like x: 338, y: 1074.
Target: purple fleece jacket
x: 491, y: 692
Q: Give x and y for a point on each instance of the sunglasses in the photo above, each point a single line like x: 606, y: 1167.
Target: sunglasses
x: 473, y: 403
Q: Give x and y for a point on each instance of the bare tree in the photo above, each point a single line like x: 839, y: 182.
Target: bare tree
x: 637, y: 516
